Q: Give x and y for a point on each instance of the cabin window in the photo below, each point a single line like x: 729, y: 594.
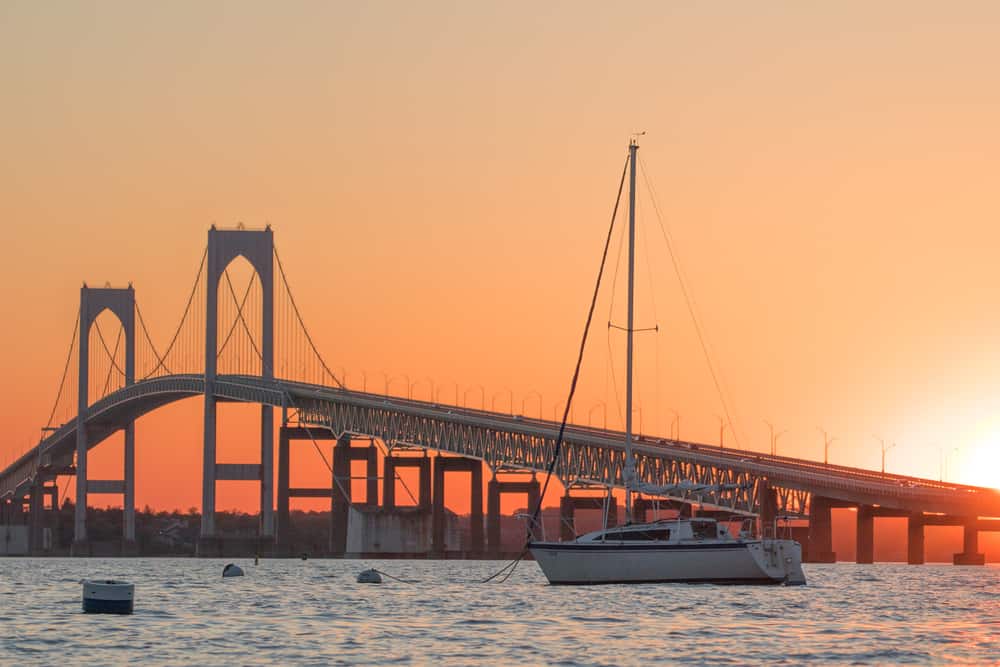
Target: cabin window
x: 703, y: 530
x: 637, y: 535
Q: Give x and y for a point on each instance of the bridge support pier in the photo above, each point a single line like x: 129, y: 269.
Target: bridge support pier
x: 820, y: 543
x: 568, y: 505
x: 915, y: 538
x: 768, y: 510
x: 865, y: 535
x: 393, y: 462
x: 344, y: 453
x: 494, y: 490
x: 640, y: 509
x: 970, y: 553
x: 443, y: 464
x: 286, y: 435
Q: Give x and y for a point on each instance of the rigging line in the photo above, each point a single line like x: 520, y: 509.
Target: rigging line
x: 690, y: 305
x: 656, y: 318
x: 298, y: 315
x: 118, y: 342
x: 104, y: 344
x: 614, y: 380
x: 69, y: 359
x: 611, y: 307
x: 508, y: 569
x: 246, y: 293
x: 583, y: 346
x: 187, y: 310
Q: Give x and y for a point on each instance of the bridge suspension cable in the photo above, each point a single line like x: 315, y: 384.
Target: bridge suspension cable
x: 188, y: 348
x: 297, y: 318
x: 66, y: 370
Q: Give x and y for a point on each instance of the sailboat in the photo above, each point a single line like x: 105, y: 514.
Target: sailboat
x: 690, y: 550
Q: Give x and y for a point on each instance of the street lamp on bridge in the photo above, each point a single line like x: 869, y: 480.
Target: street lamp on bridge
x: 827, y: 441
x: 555, y: 412
x: 675, y: 425
x: 774, y: 437
x: 510, y: 398
x: 482, y: 396
x: 390, y: 380
x: 529, y: 395
x: 430, y: 383
x: 885, y: 449
x: 722, y: 431
x: 604, y: 414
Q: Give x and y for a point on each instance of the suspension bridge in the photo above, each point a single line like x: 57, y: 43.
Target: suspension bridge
x: 249, y: 344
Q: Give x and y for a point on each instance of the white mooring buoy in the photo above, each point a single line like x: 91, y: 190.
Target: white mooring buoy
x: 370, y: 576
x: 108, y: 597
x: 232, y: 570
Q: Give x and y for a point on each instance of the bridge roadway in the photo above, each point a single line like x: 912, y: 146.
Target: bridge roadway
x: 734, y: 480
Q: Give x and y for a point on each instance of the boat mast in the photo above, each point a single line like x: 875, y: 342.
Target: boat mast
x: 630, y: 327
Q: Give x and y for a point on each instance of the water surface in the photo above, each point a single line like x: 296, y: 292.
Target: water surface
x: 314, y: 613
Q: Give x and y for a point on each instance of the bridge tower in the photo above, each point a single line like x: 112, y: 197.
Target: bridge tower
x: 94, y: 301
x: 257, y: 247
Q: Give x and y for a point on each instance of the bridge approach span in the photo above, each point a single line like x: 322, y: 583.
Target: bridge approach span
x: 735, y: 480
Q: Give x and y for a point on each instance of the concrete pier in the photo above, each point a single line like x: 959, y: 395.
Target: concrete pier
x: 568, y: 505
x: 497, y: 488
x: 819, y: 548
x: 286, y: 436
x: 970, y: 552
x: 445, y: 464
x: 768, y: 509
x: 393, y: 462
x: 344, y: 453
x: 915, y: 538
x: 865, y: 535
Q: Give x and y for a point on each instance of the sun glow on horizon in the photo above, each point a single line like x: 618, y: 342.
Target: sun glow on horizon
x: 980, y: 466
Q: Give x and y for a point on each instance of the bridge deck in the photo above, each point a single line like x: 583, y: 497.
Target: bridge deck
x: 591, y: 455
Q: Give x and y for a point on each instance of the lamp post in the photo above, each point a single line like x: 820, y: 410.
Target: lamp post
x: 722, y: 431
x: 774, y: 437
x: 675, y: 425
x: 525, y: 399
x: 430, y: 383
x: 555, y: 412
x: 390, y: 380
x: 604, y: 414
x: 885, y: 449
x: 827, y: 441
x: 510, y: 394
x: 482, y: 396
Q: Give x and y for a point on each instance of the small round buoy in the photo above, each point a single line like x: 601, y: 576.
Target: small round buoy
x: 108, y: 597
x: 232, y: 570
x: 370, y: 576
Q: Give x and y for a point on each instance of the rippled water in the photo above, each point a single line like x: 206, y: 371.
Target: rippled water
x: 313, y: 612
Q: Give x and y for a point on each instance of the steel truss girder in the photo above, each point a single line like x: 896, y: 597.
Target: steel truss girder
x: 579, y: 462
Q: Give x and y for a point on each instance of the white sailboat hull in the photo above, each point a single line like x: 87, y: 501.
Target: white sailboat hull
x: 729, y: 561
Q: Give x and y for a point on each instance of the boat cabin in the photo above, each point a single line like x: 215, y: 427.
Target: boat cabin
x: 665, y: 530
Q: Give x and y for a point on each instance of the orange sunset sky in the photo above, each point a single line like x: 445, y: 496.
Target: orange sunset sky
x: 439, y: 176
